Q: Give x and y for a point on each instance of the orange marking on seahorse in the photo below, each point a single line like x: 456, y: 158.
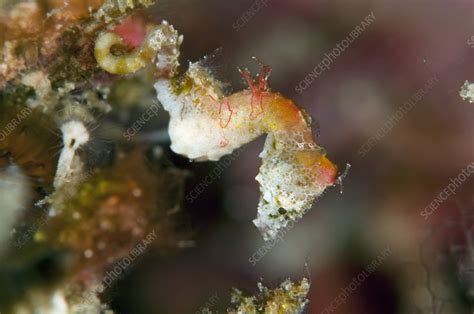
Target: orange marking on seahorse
x: 254, y: 115
x: 225, y: 102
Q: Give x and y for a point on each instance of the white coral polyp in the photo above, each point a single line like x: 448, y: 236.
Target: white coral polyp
x: 74, y: 134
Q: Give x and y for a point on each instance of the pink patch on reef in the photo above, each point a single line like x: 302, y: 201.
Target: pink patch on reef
x: 132, y: 32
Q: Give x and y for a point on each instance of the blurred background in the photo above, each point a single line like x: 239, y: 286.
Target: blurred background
x: 428, y: 268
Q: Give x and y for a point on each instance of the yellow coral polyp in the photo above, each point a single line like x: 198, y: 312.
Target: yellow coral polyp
x: 117, y: 64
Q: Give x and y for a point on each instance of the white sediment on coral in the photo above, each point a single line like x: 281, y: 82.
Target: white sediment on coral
x: 112, y: 10
x: 467, y: 91
x: 74, y: 135
x: 39, y: 81
x: 45, y: 97
x: 13, y: 195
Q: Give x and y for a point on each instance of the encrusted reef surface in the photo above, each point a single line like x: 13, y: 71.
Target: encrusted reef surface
x: 289, y: 298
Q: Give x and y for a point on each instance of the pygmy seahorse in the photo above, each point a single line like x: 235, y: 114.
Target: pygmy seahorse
x: 206, y: 125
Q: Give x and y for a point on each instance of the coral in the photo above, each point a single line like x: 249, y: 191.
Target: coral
x: 89, y: 229
x: 112, y: 11
x: 289, y: 298
x: 78, y: 215
x: 161, y: 38
x: 111, y: 211
x: 206, y: 125
x: 58, y: 38
x: 467, y: 91
x: 64, y: 300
